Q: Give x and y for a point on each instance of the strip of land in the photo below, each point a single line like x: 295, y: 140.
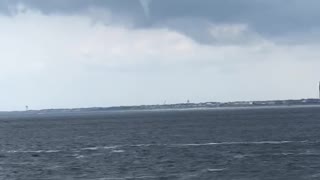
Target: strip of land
x: 205, y: 105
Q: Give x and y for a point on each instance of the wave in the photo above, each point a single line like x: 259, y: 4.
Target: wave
x: 100, y: 147
x: 138, y: 177
x: 169, y: 176
x: 218, y: 143
x: 215, y: 170
x: 241, y: 156
x: 118, y: 151
x: 240, y: 143
x: 115, y: 147
x: 35, y: 151
x: 79, y: 156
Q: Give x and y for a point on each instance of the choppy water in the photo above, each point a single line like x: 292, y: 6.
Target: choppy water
x: 205, y: 144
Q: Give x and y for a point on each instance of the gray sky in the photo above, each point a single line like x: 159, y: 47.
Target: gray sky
x: 84, y: 53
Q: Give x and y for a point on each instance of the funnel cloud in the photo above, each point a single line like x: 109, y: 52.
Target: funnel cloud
x: 146, y: 7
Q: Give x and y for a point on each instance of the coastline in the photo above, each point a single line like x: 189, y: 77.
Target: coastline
x: 302, y: 103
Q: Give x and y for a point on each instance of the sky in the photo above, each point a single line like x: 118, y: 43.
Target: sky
x: 99, y: 53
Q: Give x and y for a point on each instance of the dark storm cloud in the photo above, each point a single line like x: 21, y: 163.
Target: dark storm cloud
x: 271, y: 18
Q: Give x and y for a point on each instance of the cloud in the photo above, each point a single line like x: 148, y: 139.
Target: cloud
x: 145, y: 4
x: 75, y: 60
x: 273, y: 18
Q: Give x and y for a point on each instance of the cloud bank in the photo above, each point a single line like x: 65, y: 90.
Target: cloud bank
x: 100, y: 58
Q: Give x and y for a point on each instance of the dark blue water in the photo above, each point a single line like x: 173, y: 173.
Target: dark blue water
x: 247, y: 144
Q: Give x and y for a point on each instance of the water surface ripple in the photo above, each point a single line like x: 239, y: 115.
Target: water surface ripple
x: 230, y: 144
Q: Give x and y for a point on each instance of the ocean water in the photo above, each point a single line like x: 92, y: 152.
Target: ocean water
x: 234, y: 144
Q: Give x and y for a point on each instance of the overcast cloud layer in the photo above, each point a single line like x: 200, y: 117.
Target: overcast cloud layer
x: 81, y: 53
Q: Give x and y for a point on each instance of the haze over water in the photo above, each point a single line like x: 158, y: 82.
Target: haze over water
x: 197, y: 144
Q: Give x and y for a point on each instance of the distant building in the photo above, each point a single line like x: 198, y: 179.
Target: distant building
x: 319, y: 90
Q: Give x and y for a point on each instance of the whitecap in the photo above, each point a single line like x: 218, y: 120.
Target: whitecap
x: 132, y: 177
x: 147, y: 145
x: 52, y: 151
x: 238, y: 143
x: 91, y: 148
x: 99, y: 147
x: 118, y: 151
x: 12, y: 151
x: 215, y: 170
x: 79, y: 156
x: 110, y: 147
x: 33, y: 151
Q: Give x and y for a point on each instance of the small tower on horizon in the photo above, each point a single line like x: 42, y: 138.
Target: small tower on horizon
x: 27, y: 108
x: 319, y: 89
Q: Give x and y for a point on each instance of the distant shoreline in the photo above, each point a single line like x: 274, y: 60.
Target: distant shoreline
x: 187, y: 106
